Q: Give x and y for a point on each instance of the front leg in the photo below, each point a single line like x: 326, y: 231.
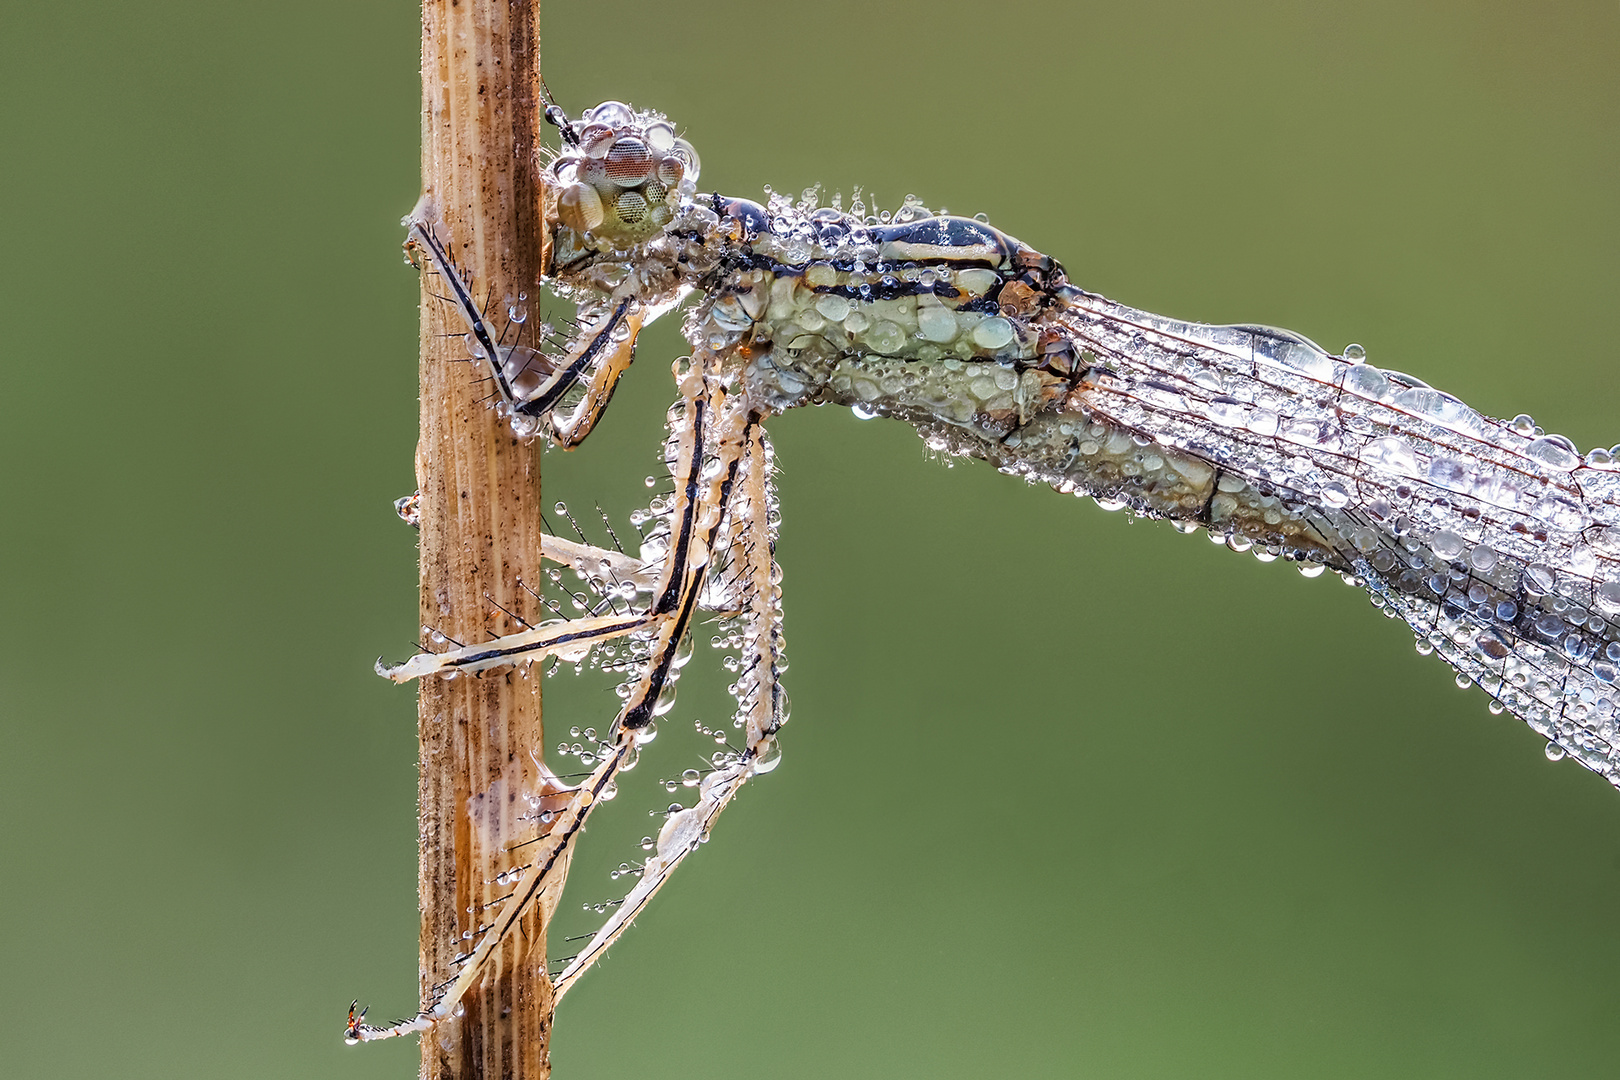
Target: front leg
x: 532, y: 386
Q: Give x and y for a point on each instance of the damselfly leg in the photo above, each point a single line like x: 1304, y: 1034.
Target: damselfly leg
x: 722, y: 502
x: 535, y: 388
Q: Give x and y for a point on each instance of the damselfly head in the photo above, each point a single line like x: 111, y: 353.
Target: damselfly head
x: 622, y: 175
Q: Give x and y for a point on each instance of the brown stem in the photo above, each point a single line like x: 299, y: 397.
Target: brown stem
x: 480, y: 535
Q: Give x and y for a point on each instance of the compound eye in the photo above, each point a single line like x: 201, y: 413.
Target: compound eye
x: 628, y: 162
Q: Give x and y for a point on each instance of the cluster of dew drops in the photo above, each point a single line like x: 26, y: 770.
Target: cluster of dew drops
x: 627, y: 659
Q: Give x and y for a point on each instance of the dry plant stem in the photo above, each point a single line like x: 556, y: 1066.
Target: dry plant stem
x: 480, y: 537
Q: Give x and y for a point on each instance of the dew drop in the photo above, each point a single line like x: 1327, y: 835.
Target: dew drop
x: 832, y: 308
x: 993, y: 333
x: 934, y: 323
x: 666, y: 700
x: 1227, y: 411
x: 1263, y: 422
x: 1446, y: 544
x: 1366, y: 381
x: 1391, y: 454
x: 1554, y: 452
x: 885, y: 337
x: 768, y: 756
x: 1439, y: 407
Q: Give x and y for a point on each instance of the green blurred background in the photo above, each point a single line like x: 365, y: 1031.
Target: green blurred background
x: 1063, y: 794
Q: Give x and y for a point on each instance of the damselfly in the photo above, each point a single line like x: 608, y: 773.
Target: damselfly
x: 1498, y: 543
